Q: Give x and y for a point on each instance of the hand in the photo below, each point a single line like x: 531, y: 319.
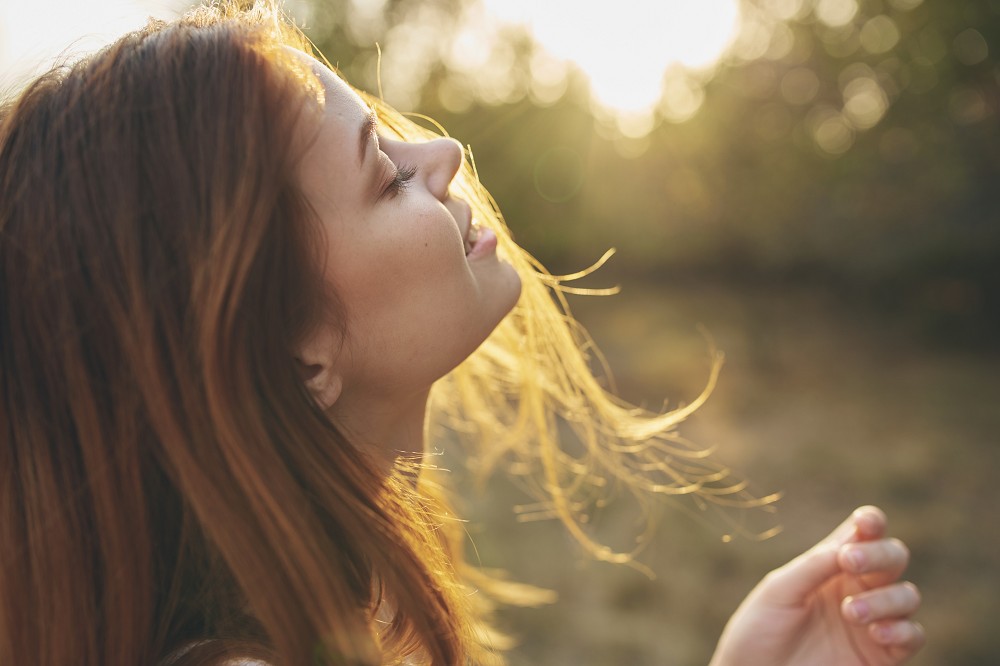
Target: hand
x: 838, y: 604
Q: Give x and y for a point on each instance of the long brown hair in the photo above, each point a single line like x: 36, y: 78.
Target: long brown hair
x: 168, y: 490
x: 170, y: 494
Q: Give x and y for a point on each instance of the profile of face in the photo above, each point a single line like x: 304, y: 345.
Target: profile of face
x: 420, y: 286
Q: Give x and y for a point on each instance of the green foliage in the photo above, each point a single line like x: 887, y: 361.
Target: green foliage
x: 831, y: 157
x: 780, y: 180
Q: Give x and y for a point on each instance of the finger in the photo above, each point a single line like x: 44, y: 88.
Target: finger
x: 792, y: 583
x: 885, y: 603
x: 887, y: 558
x: 906, y: 635
x: 870, y: 523
x: 866, y: 523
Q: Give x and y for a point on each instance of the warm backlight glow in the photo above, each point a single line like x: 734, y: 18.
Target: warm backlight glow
x: 35, y: 34
x: 626, y: 46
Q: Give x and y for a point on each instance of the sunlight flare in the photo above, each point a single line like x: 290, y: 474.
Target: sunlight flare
x: 625, y: 47
x: 35, y: 35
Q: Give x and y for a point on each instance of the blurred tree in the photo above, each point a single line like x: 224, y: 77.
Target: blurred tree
x: 852, y: 141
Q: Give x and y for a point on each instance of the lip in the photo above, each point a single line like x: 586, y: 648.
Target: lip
x: 484, y: 245
x: 479, y: 240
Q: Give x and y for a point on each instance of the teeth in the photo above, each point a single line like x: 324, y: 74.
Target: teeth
x: 474, y: 232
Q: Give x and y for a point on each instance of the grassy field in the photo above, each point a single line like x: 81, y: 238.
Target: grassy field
x: 832, y: 404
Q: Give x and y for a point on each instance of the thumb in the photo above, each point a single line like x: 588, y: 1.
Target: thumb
x: 795, y: 581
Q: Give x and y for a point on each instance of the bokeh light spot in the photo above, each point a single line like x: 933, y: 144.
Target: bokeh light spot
x: 783, y: 10
x: 836, y: 13
x: 967, y: 106
x: 454, y: 96
x: 682, y: 96
x: 631, y: 148
x: 841, y: 42
x: 865, y: 103
x: 905, y: 5
x: 832, y: 133
x: 879, y: 34
x: 548, y: 78
x: 754, y: 37
x: 971, y: 48
x: 782, y: 42
x: 932, y: 46
x: 558, y: 174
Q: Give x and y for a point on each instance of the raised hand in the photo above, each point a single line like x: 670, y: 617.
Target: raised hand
x: 838, y: 604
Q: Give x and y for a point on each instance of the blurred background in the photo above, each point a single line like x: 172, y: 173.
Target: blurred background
x: 812, y: 182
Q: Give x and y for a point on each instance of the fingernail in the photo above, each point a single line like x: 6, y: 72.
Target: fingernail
x: 860, y: 610
x: 855, y: 559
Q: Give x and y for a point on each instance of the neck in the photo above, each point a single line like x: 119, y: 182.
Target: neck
x: 386, y: 427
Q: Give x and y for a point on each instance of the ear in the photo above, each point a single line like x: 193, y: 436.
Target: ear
x: 317, y: 368
x: 323, y: 383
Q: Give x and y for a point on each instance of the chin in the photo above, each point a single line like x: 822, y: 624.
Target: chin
x: 512, y: 288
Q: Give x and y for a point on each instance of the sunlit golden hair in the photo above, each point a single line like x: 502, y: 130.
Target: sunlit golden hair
x: 533, y: 399
x: 169, y: 492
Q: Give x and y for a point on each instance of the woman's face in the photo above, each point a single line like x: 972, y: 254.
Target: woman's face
x: 417, y: 302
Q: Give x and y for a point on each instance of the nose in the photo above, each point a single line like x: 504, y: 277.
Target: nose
x: 440, y: 160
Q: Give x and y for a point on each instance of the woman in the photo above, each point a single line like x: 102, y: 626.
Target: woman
x: 228, y: 283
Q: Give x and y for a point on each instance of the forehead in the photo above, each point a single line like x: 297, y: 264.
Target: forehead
x: 337, y: 98
x: 329, y: 170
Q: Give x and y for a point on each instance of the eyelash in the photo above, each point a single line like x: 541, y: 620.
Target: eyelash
x: 399, y: 182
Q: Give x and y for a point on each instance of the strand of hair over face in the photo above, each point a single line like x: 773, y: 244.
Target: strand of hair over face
x: 531, y: 400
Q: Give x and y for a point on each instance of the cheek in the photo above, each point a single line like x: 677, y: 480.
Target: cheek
x: 427, y: 249
x: 415, y: 267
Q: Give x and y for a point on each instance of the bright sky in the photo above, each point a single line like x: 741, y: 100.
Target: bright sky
x: 625, y: 46
x: 34, y: 32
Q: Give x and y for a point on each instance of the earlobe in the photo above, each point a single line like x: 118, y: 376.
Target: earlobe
x: 322, y: 381
x: 318, y: 370
x: 325, y: 388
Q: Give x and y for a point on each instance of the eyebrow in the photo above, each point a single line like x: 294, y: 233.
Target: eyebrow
x: 369, y: 127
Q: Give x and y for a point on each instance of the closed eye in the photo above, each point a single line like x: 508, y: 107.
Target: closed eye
x: 400, y: 181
